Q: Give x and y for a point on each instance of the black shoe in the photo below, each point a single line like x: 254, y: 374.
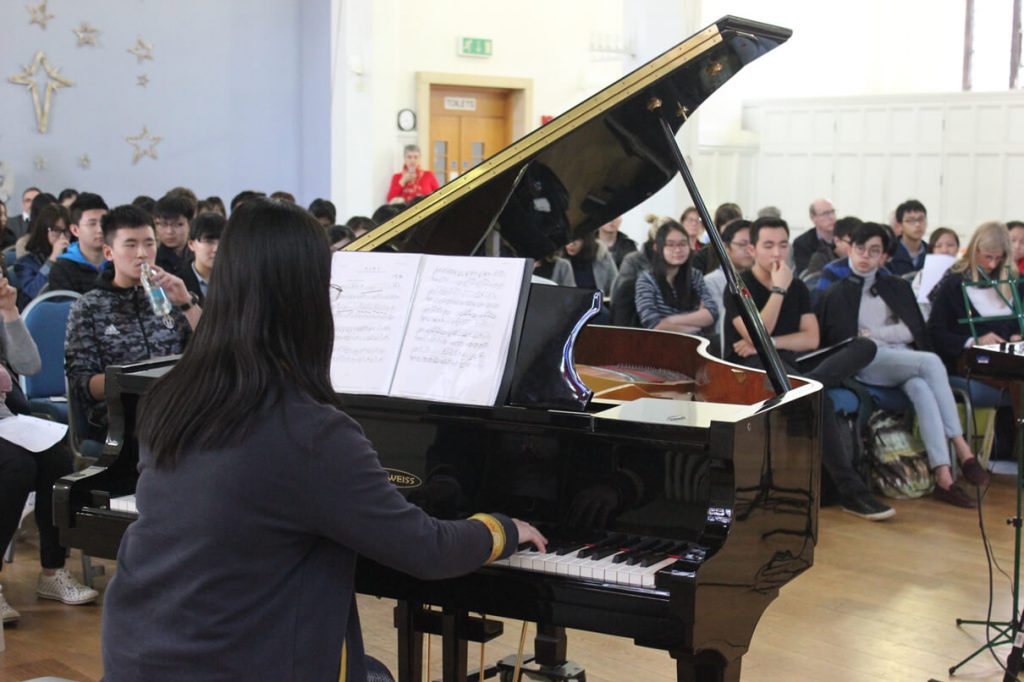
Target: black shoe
x: 954, y: 496
x: 974, y: 472
x: 867, y: 507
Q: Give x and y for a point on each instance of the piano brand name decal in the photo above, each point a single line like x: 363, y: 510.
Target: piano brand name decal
x: 403, y: 479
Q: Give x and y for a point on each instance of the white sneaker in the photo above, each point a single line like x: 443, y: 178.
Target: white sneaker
x: 63, y: 587
x: 7, y: 612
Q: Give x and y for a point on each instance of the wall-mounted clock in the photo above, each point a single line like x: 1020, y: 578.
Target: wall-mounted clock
x: 406, y: 120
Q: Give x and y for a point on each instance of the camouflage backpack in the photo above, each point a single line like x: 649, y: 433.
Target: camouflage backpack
x: 899, y: 462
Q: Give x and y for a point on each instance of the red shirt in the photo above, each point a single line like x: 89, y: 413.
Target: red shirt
x: 424, y: 184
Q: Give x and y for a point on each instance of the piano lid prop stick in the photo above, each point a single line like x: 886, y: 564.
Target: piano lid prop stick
x: 751, y: 318
x: 519, y: 654
x: 426, y: 670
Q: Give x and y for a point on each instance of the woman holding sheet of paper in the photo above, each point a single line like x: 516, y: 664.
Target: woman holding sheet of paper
x: 23, y: 471
x: 256, y: 492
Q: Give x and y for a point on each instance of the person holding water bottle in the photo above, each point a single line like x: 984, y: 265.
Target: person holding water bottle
x: 139, y: 311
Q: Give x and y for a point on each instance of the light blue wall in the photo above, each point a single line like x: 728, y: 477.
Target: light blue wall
x: 238, y: 89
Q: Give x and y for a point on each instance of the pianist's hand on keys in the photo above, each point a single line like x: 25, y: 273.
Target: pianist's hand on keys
x: 530, y: 535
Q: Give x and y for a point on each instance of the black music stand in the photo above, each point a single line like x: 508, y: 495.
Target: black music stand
x: 1006, y: 631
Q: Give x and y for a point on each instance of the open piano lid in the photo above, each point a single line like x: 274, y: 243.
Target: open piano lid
x: 591, y: 164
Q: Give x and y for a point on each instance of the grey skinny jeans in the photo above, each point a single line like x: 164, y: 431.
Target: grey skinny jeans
x: 922, y: 376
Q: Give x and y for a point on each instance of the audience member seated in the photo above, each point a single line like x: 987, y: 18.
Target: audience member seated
x: 212, y: 203
x: 384, y: 213
x: 912, y: 249
x: 618, y: 244
x: 172, y: 214
x: 840, y: 250
x: 42, y: 199
x: 737, y: 243
x: 18, y: 224
x: 67, y: 197
x: 145, y: 202
x: 79, y: 267
x: 324, y: 211
x: 556, y: 269
x: 880, y: 306
x: 640, y: 260
x: 46, y: 243
x: 115, y: 323
x: 987, y: 258
x: 283, y: 196
x: 592, y: 265
x: 7, y: 237
x: 204, y: 236
x: 360, y: 224
x: 706, y: 260
x: 942, y: 242
x: 818, y: 239
x: 412, y: 181
x: 672, y: 295
x: 784, y: 306
x: 244, y: 196
x: 340, y: 236
x: 22, y: 471
x: 1016, y: 229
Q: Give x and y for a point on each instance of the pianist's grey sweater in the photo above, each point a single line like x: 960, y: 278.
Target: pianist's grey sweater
x: 240, y: 566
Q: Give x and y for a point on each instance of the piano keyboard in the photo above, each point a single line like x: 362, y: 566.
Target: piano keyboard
x: 618, y: 559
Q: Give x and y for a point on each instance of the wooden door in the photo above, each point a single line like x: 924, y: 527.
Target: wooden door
x: 467, y: 125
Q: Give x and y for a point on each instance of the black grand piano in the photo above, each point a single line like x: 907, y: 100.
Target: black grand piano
x: 680, y: 492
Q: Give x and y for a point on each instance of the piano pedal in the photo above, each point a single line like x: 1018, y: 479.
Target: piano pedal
x: 531, y: 671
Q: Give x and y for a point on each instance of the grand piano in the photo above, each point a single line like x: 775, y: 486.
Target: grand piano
x: 680, y: 492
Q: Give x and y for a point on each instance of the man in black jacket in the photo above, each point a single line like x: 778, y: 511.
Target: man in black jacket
x: 79, y: 267
x: 874, y: 304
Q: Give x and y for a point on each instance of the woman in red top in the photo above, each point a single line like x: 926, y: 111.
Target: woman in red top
x: 413, y: 181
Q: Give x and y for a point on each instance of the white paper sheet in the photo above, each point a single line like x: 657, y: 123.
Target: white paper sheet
x: 370, y: 316
x: 935, y: 266
x: 32, y: 433
x: 460, y: 325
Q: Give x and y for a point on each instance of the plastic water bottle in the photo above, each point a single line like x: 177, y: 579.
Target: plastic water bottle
x: 157, y: 296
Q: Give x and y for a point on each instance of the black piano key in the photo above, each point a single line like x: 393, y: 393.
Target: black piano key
x: 611, y: 540
x: 638, y: 549
x: 608, y: 550
x: 569, y: 548
x: 659, y: 549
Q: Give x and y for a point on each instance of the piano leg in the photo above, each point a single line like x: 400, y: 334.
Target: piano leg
x: 707, y: 666
x: 453, y: 647
x: 550, y: 645
x: 410, y: 642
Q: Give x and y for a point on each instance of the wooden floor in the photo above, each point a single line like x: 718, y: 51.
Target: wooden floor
x: 880, y: 603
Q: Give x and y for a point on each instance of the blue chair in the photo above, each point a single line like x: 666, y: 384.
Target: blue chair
x: 10, y: 256
x: 46, y: 318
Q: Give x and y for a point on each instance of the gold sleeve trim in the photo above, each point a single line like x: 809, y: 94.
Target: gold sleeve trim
x: 497, y: 534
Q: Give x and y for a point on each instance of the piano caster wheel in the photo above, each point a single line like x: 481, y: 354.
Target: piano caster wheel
x: 531, y: 672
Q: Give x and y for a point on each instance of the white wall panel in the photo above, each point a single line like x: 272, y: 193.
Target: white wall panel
x: 958, y: 153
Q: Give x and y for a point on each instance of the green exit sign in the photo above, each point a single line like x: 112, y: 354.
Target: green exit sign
x: 476, y: 47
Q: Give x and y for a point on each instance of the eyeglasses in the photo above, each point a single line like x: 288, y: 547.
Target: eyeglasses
x: 57, y: 230
x: 694, y: 219
x: 677, y: 245
x: 915, y: 220
x: 873, y: 252
x: 335, y: 293
x: 830, y: 212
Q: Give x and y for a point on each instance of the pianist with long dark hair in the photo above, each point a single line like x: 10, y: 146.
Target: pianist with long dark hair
x: 256, y: 492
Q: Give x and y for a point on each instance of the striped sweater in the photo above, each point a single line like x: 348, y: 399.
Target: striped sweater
x: 652, y: 307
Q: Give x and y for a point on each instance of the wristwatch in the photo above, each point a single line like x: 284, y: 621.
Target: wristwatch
x: 193, y: 300
x: 778, y: 290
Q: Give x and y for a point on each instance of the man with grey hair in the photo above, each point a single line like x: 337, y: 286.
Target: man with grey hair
x: 412, y: 181
x: 820, y: 238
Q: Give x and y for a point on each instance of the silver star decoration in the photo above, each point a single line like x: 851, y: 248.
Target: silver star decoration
x: 86, y: 34
x: 142, y: 50
x: 40, y: 15
x: 142, y: 80
x: 144, y: 145
x: 39, y: 162
x: 84, y: 162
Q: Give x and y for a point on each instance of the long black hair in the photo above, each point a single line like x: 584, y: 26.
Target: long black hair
x: 677, y: 293
x: 266, y: 326
x: 49, y: 215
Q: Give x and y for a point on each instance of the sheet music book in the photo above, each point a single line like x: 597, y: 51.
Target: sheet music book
x: 426, y: 327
